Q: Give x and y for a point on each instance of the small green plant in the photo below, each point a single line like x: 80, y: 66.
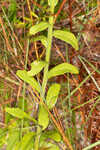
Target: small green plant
x: 12, y: 10
x: 37, y: 140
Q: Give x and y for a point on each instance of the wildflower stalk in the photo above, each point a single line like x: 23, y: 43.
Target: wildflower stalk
x: 47, y: 59
x: 48, y: 50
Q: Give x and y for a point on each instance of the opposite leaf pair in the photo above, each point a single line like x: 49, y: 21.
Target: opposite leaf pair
x: 65, y: 36
x: 37, y: 66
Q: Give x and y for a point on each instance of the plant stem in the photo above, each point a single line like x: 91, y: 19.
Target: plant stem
x: 48, y: 50
x: 47, y: 59
x: 36, y: 144
x: 24, y: 88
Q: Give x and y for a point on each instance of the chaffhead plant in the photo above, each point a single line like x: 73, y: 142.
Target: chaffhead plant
x: 48, y: 98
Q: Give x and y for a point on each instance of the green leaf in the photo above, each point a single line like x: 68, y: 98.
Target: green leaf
x: 61, y: 69
x: 12, y: 10
x: 28, y: 20
x: 41, y: 38
x: 13, y: 138
x: 38, y: 27
x: 49, y: 146
x: 52, y: 95
x: 36, y: 67
x: 43, y: 118
x: 53, y: 134
x: 2, y: 142
x: 52, y: 2
x: 17, y: 112
x: 30, y: 80
x: 34, y: 15
x: 92, y: 145
x: 26, y: 142
x: 13, y: 135
x: 20, y: 24
x: 66, y: 36
x: 20, y: 103
x: 3, y: 133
